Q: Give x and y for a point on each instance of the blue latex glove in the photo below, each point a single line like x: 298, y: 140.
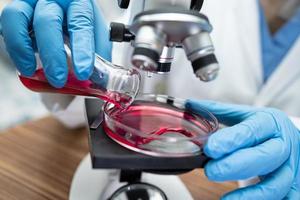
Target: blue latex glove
x: 49, y: 18
x: 259, y: 142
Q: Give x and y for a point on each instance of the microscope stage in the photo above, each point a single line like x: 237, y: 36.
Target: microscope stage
x: 107, y: 154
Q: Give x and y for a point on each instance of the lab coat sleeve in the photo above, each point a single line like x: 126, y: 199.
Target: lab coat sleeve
x: 69, y: 110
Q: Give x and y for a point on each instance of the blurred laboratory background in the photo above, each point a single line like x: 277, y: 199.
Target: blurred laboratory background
x: 17, y: 104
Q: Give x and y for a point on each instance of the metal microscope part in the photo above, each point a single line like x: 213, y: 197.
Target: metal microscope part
x: 166, y: 4
x: 177, y: 24
x: 165, y: 60
x: 158, y: 28
x: 156, y: 33
x: 197, y: 4
x: 124, y: 4
x: 198, y: 45
x: 138, y: 190
x: 167, y: 55
x: 120, y: 33
x: 200, y: 51
x: 149, y: 43
x: 208, y: 73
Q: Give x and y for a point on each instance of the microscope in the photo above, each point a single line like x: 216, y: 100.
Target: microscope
x: 155, y: 33
x: 163, y: 26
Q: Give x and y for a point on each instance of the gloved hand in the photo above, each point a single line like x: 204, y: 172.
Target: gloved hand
x: 259, y: 142
x: 49, y: 19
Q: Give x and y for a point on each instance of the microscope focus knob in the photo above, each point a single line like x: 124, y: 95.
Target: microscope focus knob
x: 120, y: 33
x: 123, y: 3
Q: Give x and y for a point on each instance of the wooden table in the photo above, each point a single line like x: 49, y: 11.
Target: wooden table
x: 38, y: 159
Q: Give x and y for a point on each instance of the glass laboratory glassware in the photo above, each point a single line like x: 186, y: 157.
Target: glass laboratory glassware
x: 159, y: 125
x: 108, y: 82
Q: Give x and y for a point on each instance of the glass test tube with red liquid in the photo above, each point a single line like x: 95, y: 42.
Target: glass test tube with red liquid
x: 108, y: 82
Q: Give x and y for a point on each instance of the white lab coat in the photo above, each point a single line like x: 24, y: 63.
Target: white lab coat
x: 236, y: 37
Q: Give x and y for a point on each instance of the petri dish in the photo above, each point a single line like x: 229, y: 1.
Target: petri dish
x: 159, y: 125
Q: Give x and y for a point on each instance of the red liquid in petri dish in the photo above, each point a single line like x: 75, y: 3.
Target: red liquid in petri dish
x: 150, y: 121
x: 73, y: 86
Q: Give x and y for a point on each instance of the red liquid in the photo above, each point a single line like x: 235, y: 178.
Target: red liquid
x: 39, y: 83
x: 154, y: 121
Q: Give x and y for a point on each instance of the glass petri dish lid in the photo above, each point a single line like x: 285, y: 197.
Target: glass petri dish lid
x: 159, y: 125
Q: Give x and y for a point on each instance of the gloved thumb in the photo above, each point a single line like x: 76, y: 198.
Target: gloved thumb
x: 227, y: 114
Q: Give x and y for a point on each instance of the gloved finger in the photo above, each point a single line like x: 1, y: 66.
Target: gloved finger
x: 294, y: 193
x: 64, y: 4
x: 103, y: 46
x: 254, y: 130
x: 99, y: 77
x: 274, y: 186
x: 16, y: 35
x: 48, y: 19
x: 246, y: 163
x: 227, y: 114
x: 81, y: 32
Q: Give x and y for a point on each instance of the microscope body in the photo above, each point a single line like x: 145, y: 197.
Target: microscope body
x: 157, y: 29
x: 160, y: 28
